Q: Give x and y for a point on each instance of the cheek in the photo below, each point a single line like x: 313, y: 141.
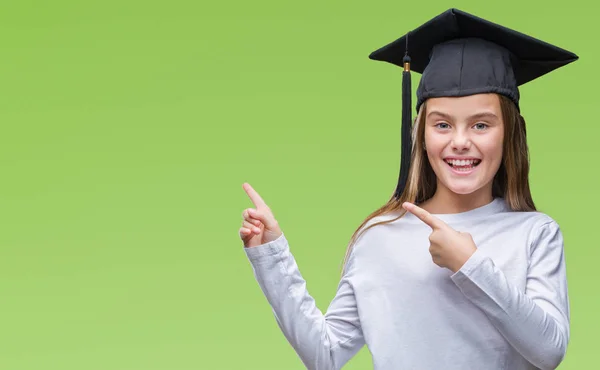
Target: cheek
x: 493, y: 157
x: 435, y: 143
x: 493, y: 152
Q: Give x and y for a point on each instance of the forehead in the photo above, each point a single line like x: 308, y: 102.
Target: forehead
x: 465, y: 105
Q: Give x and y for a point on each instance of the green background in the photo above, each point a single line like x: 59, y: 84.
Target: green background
x: 129, y: 127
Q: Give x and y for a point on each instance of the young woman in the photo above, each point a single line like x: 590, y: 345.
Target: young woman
x: 458, y: 270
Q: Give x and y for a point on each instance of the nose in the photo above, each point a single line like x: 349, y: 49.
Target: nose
x: 460, y: 141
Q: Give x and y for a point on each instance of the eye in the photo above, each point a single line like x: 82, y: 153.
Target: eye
x: 481, y: 126
x: 442, y: 125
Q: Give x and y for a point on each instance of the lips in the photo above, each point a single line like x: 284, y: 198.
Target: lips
x: 462, y: 167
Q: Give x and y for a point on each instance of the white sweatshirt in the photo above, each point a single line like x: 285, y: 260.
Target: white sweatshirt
x: 506, y: 308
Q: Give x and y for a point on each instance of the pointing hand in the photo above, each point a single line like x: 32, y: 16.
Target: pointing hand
x: 259, y: 225
x: 449, y: 248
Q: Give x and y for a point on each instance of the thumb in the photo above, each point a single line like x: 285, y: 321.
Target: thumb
x: 271, y: 229
x: 265, y: 216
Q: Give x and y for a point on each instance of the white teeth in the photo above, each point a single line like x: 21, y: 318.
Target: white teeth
x: 462, y: 162
x: 462, y: 169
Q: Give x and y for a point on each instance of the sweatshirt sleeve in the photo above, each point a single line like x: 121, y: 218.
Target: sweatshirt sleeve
x: 535, y: 322
x: 322, y: 341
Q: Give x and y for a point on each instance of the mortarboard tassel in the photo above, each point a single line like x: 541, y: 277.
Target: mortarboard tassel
x: 406, y: 145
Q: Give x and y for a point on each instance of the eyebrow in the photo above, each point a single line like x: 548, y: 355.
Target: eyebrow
x: 474, y: 116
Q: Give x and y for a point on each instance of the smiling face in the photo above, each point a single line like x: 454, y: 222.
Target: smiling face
x: 463, y: 139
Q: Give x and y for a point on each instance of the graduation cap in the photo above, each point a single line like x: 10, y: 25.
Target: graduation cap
x: 459, y: 54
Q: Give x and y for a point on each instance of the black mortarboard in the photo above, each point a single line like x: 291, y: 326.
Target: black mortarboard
x: 460, y: 54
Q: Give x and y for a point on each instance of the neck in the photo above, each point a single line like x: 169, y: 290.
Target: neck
x: 445, y: 201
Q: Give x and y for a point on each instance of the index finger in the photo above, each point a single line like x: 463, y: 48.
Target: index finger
x: 423, y: 215
x: 254, y: 197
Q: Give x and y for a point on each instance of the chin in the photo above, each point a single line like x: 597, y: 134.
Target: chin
x: 463, y: 189
x: 466, y: 185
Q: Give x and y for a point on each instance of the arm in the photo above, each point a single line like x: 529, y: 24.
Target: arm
x: 323, y: 342
x: 535, y: 322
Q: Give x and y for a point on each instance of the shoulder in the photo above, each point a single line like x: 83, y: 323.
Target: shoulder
x: 374, y: 230
x: 542, y: 230
x: 380, y: 225
x: 545, y: 231
x: 533, y: 220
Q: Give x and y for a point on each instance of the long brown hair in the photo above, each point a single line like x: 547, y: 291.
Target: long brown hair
x: 511, y: 181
